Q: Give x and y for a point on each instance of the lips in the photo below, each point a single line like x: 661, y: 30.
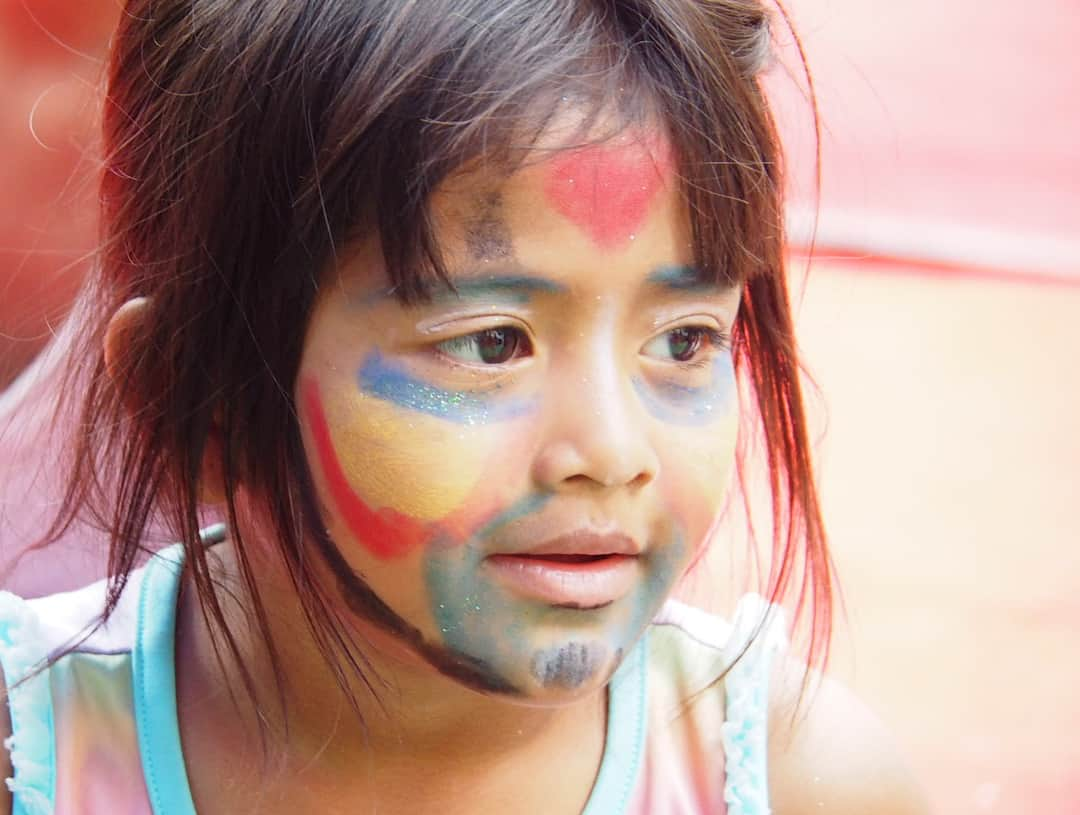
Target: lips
x: 582, y: 570
x: 583, y: 544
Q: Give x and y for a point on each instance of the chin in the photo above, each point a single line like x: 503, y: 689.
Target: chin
x: 568, y: 672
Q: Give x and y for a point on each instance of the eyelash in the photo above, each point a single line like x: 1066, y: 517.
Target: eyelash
x: 716, y: 340
x: 522, y: 346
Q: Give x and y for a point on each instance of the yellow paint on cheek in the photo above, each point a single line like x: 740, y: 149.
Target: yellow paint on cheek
x: 416, y: 464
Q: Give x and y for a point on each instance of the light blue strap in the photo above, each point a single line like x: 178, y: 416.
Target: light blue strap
x: 32, y: 742
x: 745, y: 730
x: 153, y: 663
x: 624, y: 743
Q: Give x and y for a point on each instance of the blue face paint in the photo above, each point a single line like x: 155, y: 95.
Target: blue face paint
x: 526, y: 506
x: 388, y: 382
x: 679, y: 404
x: 525, y: 643
x: 683, y: 278
x: 514, y: 289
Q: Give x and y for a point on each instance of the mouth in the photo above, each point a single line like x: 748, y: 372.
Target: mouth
x: 581, y: 571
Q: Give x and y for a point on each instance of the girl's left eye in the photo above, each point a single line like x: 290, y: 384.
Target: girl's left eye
x: 493, y: 346
x: 684, y: 344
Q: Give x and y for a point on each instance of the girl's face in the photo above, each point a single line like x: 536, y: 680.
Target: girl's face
x: 520, y: 471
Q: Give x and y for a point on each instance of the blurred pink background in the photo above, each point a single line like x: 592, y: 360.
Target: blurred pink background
x: 940, y: 317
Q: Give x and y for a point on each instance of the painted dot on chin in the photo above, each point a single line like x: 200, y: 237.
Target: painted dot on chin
x: 569, y: 666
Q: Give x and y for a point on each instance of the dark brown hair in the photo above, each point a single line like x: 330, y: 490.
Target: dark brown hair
x: 248, y: 142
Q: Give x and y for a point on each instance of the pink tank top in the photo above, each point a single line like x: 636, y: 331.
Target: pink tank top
x: 98, y: 733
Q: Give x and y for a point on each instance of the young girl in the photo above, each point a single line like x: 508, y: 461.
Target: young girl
x: 457, y: 313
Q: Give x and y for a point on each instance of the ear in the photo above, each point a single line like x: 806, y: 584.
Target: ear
x: 120, y: 334
x: 123, y: 331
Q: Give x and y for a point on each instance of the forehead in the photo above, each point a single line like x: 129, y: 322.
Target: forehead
x: 606, y: 187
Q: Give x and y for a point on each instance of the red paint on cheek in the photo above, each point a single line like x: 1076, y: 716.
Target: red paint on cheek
x: 608, y: 189
x: 385, y: 532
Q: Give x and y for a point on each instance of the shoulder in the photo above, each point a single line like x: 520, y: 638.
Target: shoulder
x: 830, y: 755
x: 34, y: 636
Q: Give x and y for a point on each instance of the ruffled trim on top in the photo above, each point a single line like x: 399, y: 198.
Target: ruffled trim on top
x: 22, y: 644
x: 745, y: 730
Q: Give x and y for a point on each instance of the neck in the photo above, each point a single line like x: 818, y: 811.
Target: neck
x: 406, y: 711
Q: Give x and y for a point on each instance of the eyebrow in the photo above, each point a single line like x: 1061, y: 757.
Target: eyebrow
x: 516, y: 288
x: 512, y: 287
x: 685, y: 279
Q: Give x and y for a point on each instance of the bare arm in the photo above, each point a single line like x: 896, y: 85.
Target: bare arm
x: 835, y: 757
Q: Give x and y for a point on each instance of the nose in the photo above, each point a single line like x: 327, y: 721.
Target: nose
x: 595, y: 432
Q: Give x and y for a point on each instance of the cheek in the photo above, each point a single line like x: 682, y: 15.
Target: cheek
x: 399, y: 481
x: 417, y: 465
x: 697, y: 464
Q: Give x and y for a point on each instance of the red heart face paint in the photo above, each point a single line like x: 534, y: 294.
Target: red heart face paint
x: 607, y: 190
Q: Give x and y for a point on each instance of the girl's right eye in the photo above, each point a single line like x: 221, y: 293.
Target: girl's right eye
x: 493, y: 346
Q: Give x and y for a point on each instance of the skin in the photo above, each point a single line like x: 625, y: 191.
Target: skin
x: 429, y: 459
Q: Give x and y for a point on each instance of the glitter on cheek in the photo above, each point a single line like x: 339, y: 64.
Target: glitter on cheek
x: 398, y: 485
x: 382, y: 379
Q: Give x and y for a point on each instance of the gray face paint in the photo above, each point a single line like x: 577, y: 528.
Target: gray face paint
x: 486, y: 233
x: 568, y: 666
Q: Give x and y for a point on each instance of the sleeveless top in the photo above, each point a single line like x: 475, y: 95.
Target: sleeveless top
x: 97, y: 733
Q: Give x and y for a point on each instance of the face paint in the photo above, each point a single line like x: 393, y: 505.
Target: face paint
x: 367, y: 605
x: 510, y: 289
x: 385, y: 532
x: 568, y: 666
x: 681, y: 405
x: 486, y: 234
x: 386, y: 381
x: 420, y: 484
x: 607, y: 190
x: 682, y: 278
x: 527, y: 641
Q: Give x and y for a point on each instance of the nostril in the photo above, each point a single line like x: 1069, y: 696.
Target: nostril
x: 579, y: 480
x: 593, y: 460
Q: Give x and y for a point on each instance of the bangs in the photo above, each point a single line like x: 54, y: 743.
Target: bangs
x: 487, y: 92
